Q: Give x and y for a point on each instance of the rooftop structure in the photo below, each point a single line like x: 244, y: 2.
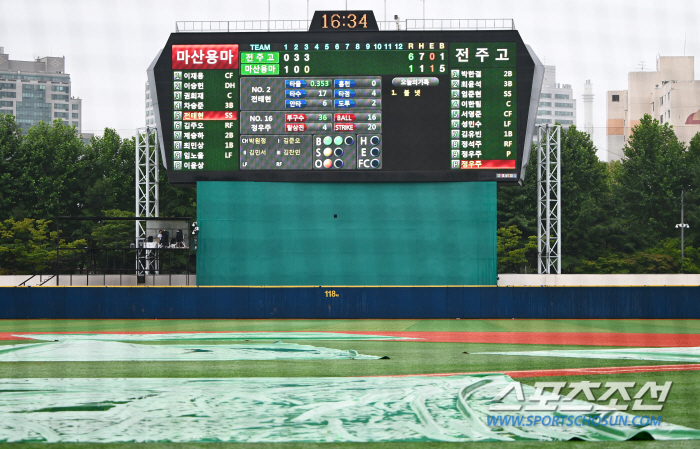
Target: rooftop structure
x: 38, y: 90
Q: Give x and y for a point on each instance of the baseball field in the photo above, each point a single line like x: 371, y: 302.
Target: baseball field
x: 349, y: 383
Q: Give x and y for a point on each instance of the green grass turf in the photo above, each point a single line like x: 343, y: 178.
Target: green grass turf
x: 627, y: 326
x: 405, y: 358
x: 681, y: 406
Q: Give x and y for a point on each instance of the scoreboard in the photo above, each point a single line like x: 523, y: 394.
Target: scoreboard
x: 344, y: 106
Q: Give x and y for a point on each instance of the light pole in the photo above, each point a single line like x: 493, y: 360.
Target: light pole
x: 683, y: 227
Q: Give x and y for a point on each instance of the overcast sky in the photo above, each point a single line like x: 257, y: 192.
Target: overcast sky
x: 109, y: 44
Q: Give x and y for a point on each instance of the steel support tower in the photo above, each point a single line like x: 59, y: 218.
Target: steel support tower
x: 548, y: 199
x: 147, y: 162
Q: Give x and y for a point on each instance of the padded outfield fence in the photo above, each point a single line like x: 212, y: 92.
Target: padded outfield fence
x: 349, y: 302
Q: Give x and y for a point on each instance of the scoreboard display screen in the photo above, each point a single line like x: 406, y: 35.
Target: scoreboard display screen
x: 344, y: 106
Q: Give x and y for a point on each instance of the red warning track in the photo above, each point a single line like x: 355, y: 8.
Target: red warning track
x: 553, y: 338
x: 523, y: 338
x: 571, y: 371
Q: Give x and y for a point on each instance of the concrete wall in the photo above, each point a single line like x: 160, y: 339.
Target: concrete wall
x: 503, y: 280
x: 598, y: 279
x: 80, y: 280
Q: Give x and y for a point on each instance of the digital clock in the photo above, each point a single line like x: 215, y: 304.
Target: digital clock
x: 343, y: 21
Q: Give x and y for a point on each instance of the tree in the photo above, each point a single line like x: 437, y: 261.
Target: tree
x: 517, y: 205
x: 176, y: 201
x: 651, y: 178
x: 512, y: 252
x: 27, y: 246
x: 692, y: 192
x: 585, y: 188
x: 10, y: 141
x: 111, y: 177
x: 49, y: 172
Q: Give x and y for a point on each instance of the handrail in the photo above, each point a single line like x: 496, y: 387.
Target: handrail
x: 32, y: 277
x: 51, y: 277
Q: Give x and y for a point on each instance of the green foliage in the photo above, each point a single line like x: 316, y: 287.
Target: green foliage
x: 513, y: 250
x: 517, y: 205
x: 617, y: 217
x: 652, y: 176
x: 661, y: 259
x: 111, y: 177
x: 50, y: 172
x: 176, y: 201
x: 27, y: 246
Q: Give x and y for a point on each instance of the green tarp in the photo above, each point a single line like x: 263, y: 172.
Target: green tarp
x: 112, y: 351
x: 180, y: 336
x: 454, y: 408
x: 658, y: 354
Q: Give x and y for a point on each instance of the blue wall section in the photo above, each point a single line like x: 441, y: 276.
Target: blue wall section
x: 349, y: 302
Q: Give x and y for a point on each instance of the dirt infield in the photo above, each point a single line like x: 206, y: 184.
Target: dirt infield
x: 572, y: 371
x: 525, y: 338
x: 554, y: 338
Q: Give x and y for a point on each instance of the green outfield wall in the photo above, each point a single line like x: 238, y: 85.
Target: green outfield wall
x: 255, y: 233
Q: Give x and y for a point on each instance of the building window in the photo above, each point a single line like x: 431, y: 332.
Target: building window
x: 615, y: 98
x: 59, y: 78
x: 6, y: 111
x: 8, y: 86
x: 65, y: 89
x: 562, y: 96
x: 74, y: 124
x: 75, y: 107
x: 75, y: 115
x: 542, y: 121
x: 545, y: 104
x: 564, y: 105
x: 545, y: 95
x: 563, y: 113
x: 59, y: 97
x: 6, y: 104
x: 61, y: 115
x: 63, y: 107
x: 541, y: 112
x: 566, y: 122
x: 8, y: 94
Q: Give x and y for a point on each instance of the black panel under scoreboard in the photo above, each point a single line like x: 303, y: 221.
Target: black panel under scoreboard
x: 399, y: 106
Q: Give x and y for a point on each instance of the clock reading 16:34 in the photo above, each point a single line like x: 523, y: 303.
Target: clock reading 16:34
x: 341, y: 21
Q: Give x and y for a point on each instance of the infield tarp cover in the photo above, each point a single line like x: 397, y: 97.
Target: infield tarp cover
x: 453, y: 408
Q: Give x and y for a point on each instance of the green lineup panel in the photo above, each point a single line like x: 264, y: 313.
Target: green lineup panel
x: 288, y: 234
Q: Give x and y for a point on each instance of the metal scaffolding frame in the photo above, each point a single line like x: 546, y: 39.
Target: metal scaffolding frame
x: 147, y: 164
x: 548, y: 199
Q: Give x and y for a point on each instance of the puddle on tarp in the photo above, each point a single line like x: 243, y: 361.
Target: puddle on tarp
x: 453, y: 408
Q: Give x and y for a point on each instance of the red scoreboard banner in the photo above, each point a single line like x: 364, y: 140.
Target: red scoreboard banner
x: 205, y: 56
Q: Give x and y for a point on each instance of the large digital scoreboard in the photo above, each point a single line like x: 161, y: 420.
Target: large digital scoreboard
x: 344, y: 106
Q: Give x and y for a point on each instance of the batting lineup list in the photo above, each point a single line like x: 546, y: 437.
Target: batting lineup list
x: 280, y: 109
